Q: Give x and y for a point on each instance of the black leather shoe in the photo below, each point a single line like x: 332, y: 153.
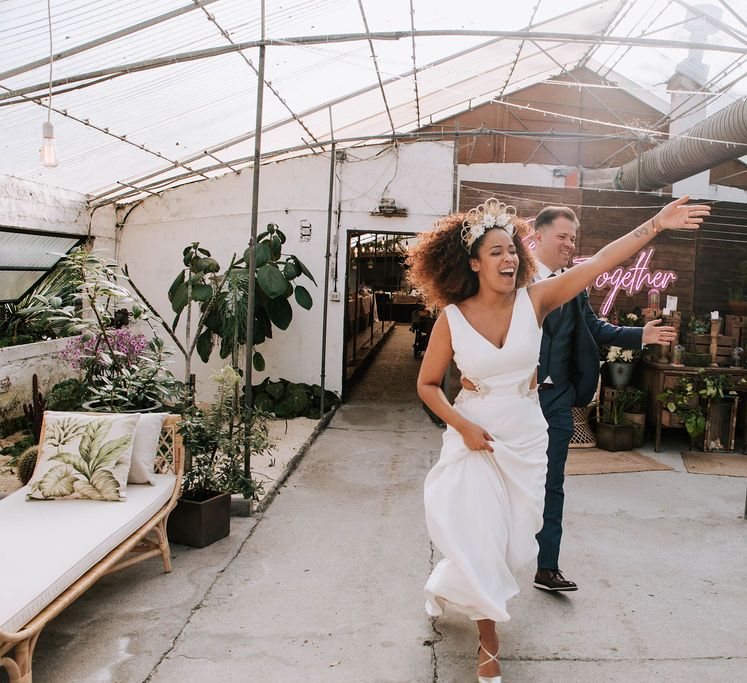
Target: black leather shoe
x: 552, y: 580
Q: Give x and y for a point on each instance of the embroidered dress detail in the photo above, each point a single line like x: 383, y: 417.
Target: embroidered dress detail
x: 527, y: 390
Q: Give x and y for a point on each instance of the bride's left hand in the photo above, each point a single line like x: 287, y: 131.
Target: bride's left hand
x: 678, y: 215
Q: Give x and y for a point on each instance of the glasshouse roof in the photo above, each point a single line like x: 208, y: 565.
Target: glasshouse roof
x: 150, y: 95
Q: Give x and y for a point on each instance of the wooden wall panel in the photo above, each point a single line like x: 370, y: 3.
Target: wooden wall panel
x: 605, y: 216
x: 610, y: 106
x: 722, y: 246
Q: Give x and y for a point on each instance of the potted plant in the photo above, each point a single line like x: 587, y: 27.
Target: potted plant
x: 688, y: 401
x: 634, y: 413
x: 620, y: 364
x: 122, y: 371
x: 737, y: 293
x: 216, y: 439
x: 613, y: 432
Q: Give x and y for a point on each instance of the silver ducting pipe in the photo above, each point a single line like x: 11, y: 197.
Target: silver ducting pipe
x: 681, y: 157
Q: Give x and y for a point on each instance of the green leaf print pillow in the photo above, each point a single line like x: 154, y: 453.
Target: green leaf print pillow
x: 83, y: 456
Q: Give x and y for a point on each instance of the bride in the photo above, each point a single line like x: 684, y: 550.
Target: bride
x: 484, y: 497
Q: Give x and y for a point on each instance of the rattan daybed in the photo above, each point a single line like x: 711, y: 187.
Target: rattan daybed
x: 113, y: 536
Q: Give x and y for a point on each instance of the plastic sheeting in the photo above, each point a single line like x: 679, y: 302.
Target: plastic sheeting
x: 152, y: 128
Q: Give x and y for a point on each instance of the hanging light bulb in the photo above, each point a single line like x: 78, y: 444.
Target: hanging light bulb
x: 48, y: 154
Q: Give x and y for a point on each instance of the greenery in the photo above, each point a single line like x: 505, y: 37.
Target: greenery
x: 66, y: 396
x: 116, y: 377
x: 688, y: 400
x: 26, y: 463
x: 215, y: 439
x: 223, y: 300
x: 739, y: 283
x: 23, y: 323
x: 16, y: 449
x: 286, y: 399
x: 698, y: 325
x: 634, y: 399
x: 612, y: 411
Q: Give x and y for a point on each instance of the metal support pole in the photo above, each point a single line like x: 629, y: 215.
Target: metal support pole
x: 252, y: 265
x: 357, y: 300
x: 373, y: 295
x: 327, y: 257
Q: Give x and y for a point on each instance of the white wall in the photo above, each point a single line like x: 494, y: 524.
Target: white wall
x: 536, y: 175
x: 28, y: 204
x: 216, y: 213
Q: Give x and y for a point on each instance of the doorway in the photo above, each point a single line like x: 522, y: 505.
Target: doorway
x: 377, y: 296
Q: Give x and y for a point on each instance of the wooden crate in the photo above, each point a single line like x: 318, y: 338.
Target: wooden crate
x: 701, y: 343
x: 735, y: 326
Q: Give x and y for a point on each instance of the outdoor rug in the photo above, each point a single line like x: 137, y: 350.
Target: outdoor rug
x: 724, y: 464
x: 598, y: 461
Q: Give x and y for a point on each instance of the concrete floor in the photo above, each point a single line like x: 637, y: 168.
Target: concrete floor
x: 327, y: 586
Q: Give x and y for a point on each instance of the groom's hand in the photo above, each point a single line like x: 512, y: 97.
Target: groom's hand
x: 654, y: 334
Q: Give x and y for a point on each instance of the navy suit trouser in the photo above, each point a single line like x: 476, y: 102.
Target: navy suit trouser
x: 556, y: 402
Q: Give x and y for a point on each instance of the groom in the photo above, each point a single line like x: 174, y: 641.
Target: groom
x: 568, y: 374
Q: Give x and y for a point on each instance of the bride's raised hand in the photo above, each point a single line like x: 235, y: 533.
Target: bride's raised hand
x: 476, y: 438
x: 679, y: 215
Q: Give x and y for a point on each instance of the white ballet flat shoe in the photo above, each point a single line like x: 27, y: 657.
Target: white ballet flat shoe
x: 492, y: 658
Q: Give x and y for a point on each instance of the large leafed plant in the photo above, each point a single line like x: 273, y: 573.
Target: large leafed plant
x: 223, y: 299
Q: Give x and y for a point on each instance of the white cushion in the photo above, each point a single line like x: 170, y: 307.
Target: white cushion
x: 145, y: 447
x: 47, y: 547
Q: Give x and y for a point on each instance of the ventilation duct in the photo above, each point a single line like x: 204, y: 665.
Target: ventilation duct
x: 680, y: 157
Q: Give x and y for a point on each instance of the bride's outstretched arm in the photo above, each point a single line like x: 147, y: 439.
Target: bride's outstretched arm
x: 437, y: 357
x: 548, y: 294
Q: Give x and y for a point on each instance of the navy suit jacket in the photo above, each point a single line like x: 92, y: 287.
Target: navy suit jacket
x: 589, y: 333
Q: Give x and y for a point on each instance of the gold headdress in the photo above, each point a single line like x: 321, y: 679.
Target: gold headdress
x: 490, y: 214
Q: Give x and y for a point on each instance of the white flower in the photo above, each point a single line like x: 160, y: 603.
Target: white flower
x: 632, y: 316
x: 502, y: 220
x: 476, y: 232
x: 613, y: 354
x: 489, y: 221
x: 627, y: 356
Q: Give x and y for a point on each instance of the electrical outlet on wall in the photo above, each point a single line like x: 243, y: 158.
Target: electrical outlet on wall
x: 334, y: 296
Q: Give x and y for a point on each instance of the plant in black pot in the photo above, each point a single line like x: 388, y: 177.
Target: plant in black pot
x: 634, y: 413
x: 216, y: 439
x: 614, y: 433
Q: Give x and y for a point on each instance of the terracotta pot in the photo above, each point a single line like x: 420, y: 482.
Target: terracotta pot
x: 638, y: 422
x: 198, y: 523
x: 614, y: 437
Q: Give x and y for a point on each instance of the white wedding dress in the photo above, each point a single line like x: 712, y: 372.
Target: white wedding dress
x: 483, y: 509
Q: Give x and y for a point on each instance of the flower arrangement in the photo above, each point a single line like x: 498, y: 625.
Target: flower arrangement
x: 616, y: 354
x: 86, y: 350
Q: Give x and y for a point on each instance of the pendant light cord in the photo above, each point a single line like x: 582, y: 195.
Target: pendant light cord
x: 49, y: 98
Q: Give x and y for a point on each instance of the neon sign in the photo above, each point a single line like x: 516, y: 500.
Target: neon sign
x: 631, y: 280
